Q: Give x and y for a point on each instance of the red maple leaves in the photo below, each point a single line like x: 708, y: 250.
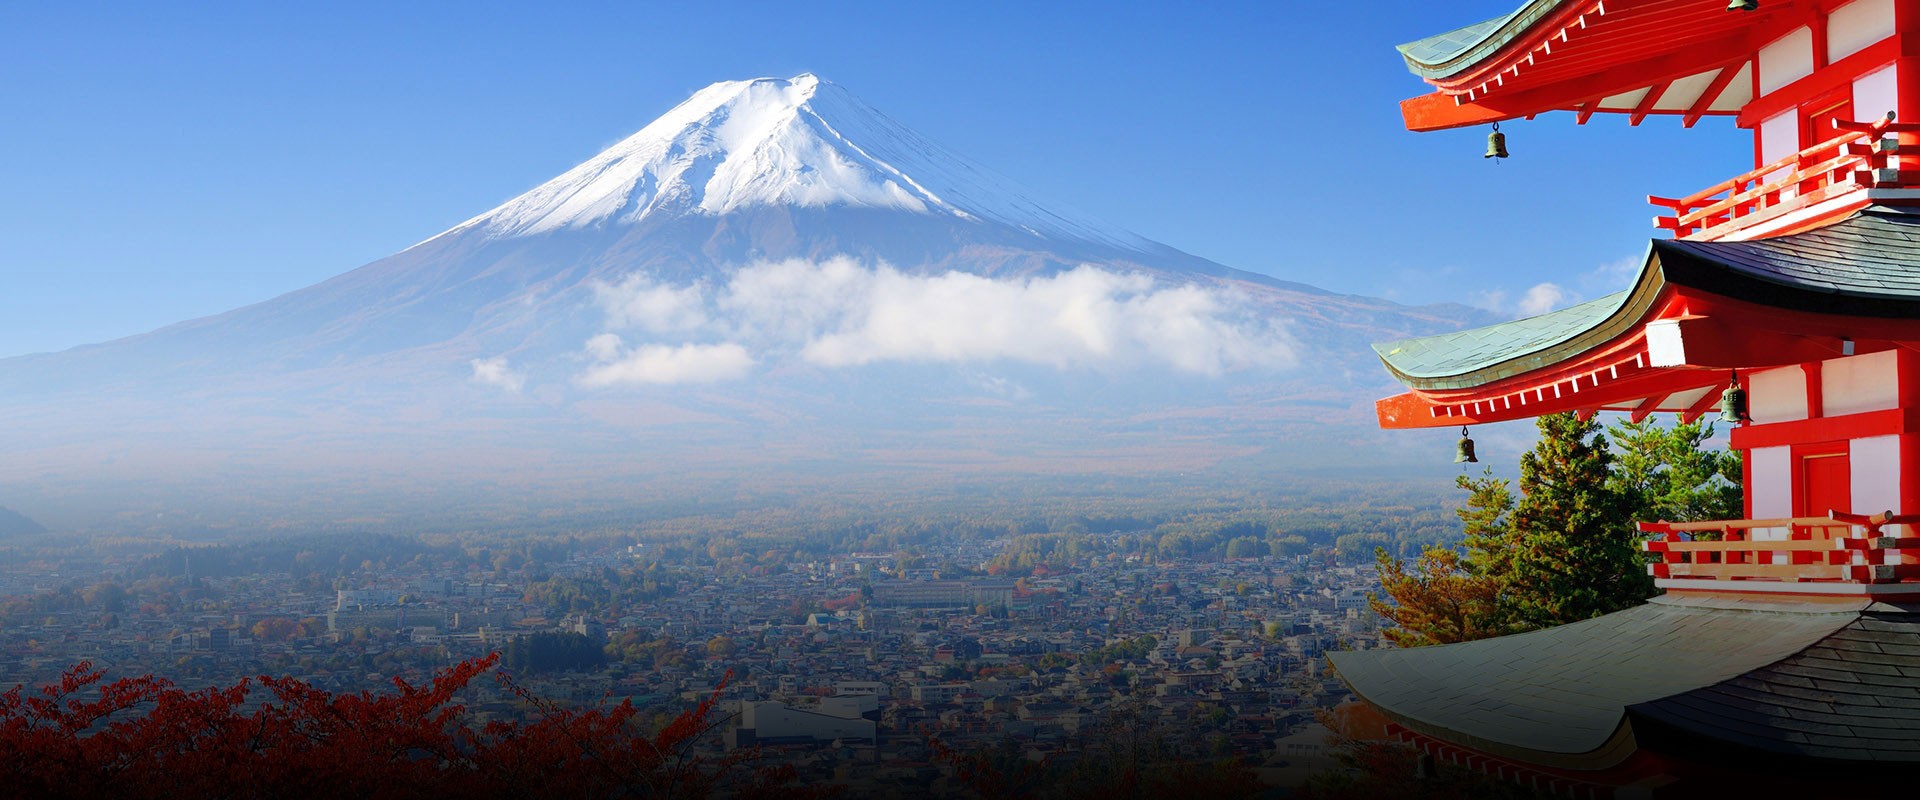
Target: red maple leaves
x: 145, y: 738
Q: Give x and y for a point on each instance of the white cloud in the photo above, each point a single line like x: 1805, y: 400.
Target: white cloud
x: 1544, y: 297
x: 1607, y: 278
x: 638, y: 302
x: 664, y: 364
x: 1612, y: 276
x: 847, y: 315
x: 495, y: 372
x: 1489, y: 299
x: 839, y: 313
x: 605, y: 347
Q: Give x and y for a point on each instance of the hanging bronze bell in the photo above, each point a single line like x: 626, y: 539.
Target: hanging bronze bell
x: 1744, y: 5
x: 1463, y: 450
x: 1496, y: 143
x: 1733, y: 404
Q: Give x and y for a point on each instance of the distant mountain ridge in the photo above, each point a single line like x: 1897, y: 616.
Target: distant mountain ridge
x: 14, y: 523
x: 770, y: 267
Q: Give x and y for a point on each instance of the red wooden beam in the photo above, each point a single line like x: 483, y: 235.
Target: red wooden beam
x: 1417, y: 410
x: 1584, y: 36
x: 1700, y: 406
x: 1440, y: 110
x: 1645, y: 105
x: 1827, y: 429
x: 1712, y: 93
x: 1647, y: 407
x: 1820, y: 82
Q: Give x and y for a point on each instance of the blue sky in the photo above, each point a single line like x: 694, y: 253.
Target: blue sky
x: 163, y: 163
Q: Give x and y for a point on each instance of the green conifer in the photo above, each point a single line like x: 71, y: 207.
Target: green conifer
x: 1572, y: 551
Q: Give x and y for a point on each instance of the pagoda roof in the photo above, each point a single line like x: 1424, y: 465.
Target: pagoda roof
x: 1638, y: 57
x: 1822, y: 680
x: 1854, y: 695
x: 1444, y: 54
x: 1432, y: 359
x: 1865, y: 265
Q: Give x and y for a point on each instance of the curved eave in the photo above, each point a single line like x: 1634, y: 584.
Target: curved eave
x: 1640, y: 58
x: 1626, y: 318
x: 1447, y: 54
x: 1560, y: 697
x: 1866, y: 266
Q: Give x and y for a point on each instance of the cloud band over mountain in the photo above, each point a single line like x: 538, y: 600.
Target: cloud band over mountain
x: 840, y: 313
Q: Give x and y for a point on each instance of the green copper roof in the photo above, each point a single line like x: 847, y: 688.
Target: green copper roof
x: 1866, y: 265
x: 1445, y: 54
x: 1559, y: 696
x: 1452, y: 354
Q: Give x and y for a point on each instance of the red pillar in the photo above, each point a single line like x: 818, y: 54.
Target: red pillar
x: 1906, y: 70
x: 1907, y: 366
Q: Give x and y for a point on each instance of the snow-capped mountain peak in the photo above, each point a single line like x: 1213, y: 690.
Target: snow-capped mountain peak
x: 799, y: 141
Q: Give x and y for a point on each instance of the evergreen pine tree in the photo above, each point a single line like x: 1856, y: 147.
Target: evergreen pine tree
x: 1671, y: 475
x: 1450, y: 595
x: 1571, y: 550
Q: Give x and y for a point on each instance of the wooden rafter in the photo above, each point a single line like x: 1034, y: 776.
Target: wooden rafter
x: 1441, y: 110
x: 1700, y: 407
x: 1647, y: 407
x: 1647, y: 101
x: 1581, y: 34
x: 1712, y: 93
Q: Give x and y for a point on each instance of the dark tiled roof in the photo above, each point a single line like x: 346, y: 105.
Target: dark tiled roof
x: 1873, y: 255
x: 1852, y: 696
x: 1867, y: 264
x: 1560, y: 695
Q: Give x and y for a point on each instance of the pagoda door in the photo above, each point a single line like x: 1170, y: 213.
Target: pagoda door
x: 1821, y: 114
x: 1818, y: 120
x: 1825, y: 484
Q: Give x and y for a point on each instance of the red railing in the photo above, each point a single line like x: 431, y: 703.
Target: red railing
x: 1853, y: 161
x: 1849, y: 548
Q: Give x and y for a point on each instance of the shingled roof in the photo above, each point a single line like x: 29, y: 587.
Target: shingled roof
x: 1836, y: 681
x: 1852, y: 696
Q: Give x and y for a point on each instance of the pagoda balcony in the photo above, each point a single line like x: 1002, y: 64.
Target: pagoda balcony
x: 1805, y: 189
x: 1839, y: 554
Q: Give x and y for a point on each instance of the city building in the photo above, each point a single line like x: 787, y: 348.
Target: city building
x: 848, y: 718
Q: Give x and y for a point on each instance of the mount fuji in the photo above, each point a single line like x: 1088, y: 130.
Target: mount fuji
x: 770, y: 283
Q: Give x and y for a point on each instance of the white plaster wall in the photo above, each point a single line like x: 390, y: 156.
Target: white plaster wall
x: 1875, y: 466
x: 1788, y: 59
x: 1860, y: 383
x: 1772, y: 489
x: 1779, y: 138
x: 1850, y: 28
x: 1777, y: 395
x: 1875, y: 94
x: 1738, y: 93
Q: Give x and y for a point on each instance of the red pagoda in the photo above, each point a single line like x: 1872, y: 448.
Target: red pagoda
x: 1785, y: 654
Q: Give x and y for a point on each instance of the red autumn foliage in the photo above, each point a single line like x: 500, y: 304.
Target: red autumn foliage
x: 843, y: 603
x: 144, y: 738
